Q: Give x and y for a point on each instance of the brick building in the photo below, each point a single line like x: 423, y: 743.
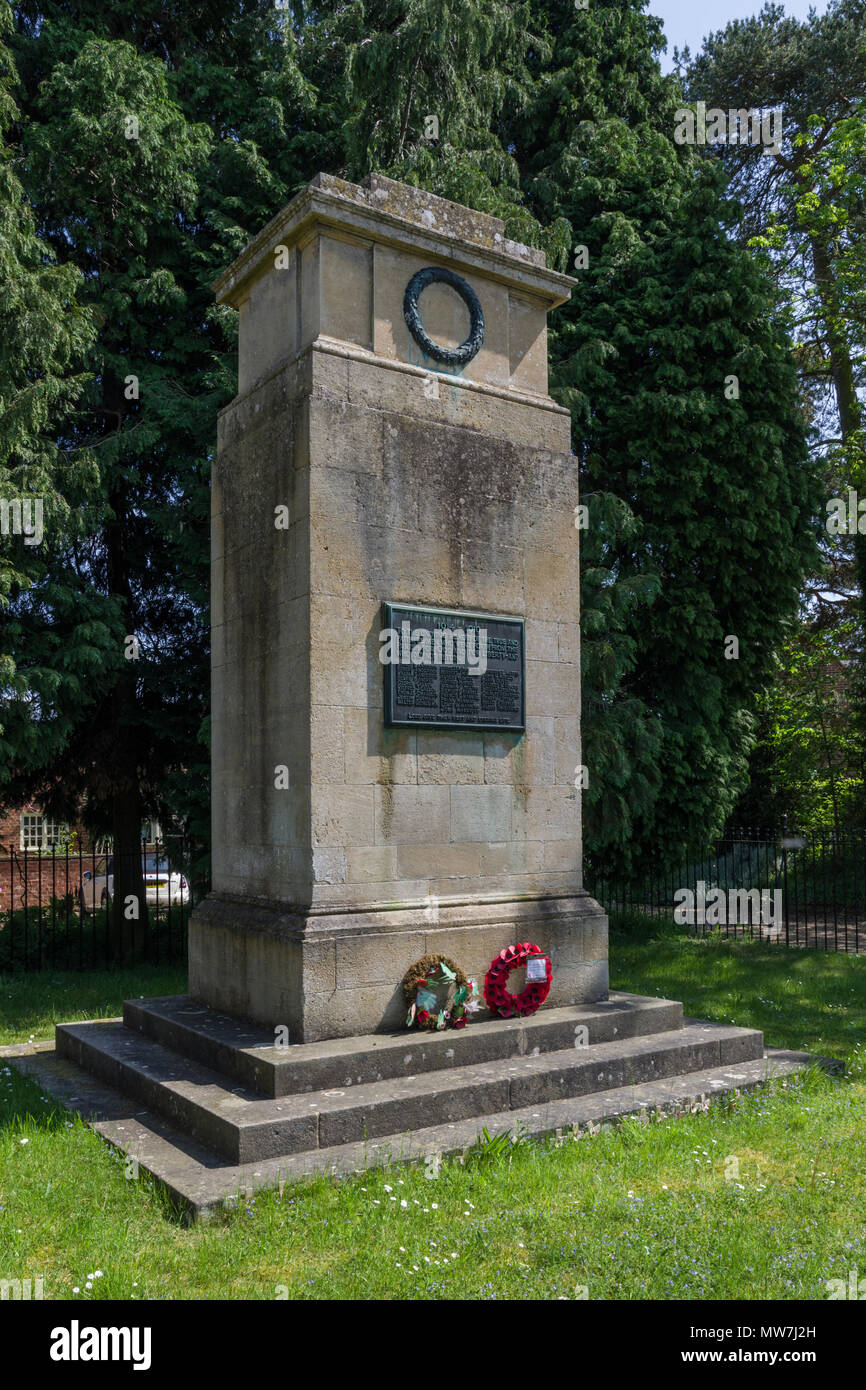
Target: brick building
x: 43, y: 859
x: 28, y: 828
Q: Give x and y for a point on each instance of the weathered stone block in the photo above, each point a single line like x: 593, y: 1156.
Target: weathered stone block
x: 447, y: 756
x: 438, y: 861
x: 541, y: 640
x: 480, y: 813
x: 375, y: 753
x: 545, y: 813
x: 504, y: 759
x: 342, y: 816
x: 327, y: 746
x: 412, y: 815
x: 345, y: 289
x: 377, y: 960
x: 513, y: 857
x: 372, y: 864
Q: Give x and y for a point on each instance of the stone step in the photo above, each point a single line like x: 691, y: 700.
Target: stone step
x: 246, y: 1051
x: 245, y: 1127
x: 202, y: 1184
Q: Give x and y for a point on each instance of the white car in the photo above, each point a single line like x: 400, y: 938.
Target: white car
x: 163, y: 886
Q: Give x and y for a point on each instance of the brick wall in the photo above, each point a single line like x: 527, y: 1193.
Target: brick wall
x: 39, y: 879
x: 10, y: 832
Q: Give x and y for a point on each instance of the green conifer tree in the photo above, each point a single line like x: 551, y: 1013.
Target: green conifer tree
x: 676, y: 365
x: 45, y: 333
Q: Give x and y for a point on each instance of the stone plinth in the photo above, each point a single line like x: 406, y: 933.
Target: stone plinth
x: 353, y: 471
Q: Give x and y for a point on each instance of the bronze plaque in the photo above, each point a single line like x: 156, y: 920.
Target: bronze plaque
x: 449, y: 669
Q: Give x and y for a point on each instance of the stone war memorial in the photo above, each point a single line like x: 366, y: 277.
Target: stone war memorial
x: 398, y: 949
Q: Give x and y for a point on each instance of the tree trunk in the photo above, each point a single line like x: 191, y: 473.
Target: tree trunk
x: 841, y: 366
x: 129, y: 915
x: 847, y: 402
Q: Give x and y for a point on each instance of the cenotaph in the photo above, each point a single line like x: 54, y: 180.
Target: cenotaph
x: 396, y: 734
x: 361, y: 467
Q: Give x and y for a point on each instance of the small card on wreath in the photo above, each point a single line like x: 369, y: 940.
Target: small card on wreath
x: 536, y: 969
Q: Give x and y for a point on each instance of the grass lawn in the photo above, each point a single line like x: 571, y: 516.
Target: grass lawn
x: 763, y: 1196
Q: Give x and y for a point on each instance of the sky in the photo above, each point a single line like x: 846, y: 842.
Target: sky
x: 687, y: 21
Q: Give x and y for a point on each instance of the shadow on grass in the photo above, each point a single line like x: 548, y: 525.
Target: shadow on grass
x: 24, y: 1106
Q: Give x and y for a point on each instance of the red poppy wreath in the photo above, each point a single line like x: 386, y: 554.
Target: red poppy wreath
x: 538, y: 977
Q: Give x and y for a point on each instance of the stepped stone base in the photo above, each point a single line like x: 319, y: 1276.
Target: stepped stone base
x: 210, y: 1108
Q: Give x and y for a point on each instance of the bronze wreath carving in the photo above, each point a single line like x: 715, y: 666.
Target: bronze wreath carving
x: 452, y: 357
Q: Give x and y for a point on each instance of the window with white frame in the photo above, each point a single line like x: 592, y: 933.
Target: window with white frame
x: 56, y: 833
x: 39, y: 832
x: 31, y: 831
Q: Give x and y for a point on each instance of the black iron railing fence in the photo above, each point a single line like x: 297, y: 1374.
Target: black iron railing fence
x: 57, y: 909
x: 801, y: 888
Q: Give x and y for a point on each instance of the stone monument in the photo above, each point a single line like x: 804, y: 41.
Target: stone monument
x: 392, y: 443
x: 396, y: 734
